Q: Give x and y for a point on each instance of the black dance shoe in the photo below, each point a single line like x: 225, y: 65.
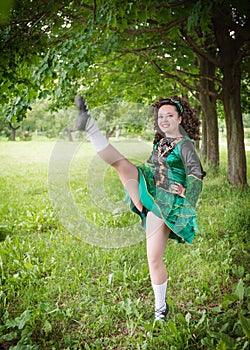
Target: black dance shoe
x: 83, y: 115
x: 161, y: 314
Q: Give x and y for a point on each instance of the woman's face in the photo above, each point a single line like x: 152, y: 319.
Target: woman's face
x: 169, y: 120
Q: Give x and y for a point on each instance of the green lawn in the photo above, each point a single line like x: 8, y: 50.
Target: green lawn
x: 63, y: 286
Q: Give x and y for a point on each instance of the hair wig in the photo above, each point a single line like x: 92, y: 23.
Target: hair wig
x: 190, y: 122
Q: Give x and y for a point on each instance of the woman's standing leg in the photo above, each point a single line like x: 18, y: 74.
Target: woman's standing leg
x: 157, y: 235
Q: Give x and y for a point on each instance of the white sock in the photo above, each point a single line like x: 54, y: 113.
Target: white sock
x: 160, y: 295
x: 99, y: 142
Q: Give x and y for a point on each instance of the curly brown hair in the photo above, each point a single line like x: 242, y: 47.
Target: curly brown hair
x: 190, y: 122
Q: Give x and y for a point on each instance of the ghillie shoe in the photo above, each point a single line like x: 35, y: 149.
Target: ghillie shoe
x: 83, y: 115
x: 161, y: 314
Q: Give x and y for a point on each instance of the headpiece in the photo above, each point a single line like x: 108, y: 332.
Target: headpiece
x: 172, y: 101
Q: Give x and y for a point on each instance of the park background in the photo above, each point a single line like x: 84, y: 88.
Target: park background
x: 58, y: 291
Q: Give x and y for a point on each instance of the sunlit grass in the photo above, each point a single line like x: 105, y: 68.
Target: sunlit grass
x: 58, y: 292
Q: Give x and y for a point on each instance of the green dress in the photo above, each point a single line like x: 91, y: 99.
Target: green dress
x: 170, y: 163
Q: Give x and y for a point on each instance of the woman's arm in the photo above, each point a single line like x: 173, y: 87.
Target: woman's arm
x: 194, y: 172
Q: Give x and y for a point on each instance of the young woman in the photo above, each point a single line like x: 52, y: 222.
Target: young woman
x: 164, y: 191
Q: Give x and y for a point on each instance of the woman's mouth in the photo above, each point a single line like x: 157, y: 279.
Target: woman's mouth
x: 165, y: 126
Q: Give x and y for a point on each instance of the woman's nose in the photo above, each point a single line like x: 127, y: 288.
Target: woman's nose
x: 165, y: 117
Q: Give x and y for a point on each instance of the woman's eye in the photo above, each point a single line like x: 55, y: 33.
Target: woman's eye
x: 167, y: 116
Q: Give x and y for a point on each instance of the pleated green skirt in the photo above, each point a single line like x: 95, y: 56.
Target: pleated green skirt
x: 178, y: 214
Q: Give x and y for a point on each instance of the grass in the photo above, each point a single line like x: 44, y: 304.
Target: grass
x: 59, y: 292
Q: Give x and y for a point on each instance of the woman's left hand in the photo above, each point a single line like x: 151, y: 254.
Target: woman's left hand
x: 177, y: 188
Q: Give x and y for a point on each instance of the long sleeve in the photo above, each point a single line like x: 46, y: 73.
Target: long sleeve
x: 194, y: 172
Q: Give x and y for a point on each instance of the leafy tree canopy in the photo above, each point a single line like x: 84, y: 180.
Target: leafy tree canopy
x: 134, y: 50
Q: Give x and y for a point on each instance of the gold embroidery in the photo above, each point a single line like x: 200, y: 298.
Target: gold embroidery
x: 164, y: 148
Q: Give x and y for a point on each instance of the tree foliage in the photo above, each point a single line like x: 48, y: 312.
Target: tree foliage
x: 133, y: 51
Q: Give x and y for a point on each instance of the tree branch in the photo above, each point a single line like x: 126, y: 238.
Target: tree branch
x: 172, y: 76
x: 14, y: 128
x: 217, y: 80
x: 196, y: 48
x: 153, y: 30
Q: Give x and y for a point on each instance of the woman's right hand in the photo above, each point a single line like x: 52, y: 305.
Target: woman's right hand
x: 177, y: 188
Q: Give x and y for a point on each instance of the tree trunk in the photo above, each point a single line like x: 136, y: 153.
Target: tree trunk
x: 13, y: 131
x: 13, y: 134
x: 109, y: 132
x: 236, y: 168
x: 69, y: 133
x: 207, y: 96
x: 230, y: 57
x: 203, y: 150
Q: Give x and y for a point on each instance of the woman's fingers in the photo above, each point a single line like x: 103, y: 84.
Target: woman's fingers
x: 178, y: 189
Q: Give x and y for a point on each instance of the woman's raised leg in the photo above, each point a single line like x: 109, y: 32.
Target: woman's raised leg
x: 127, y: 171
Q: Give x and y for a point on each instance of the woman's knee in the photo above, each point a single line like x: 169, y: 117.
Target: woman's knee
x: 155, y: 261
x: 128, y: 173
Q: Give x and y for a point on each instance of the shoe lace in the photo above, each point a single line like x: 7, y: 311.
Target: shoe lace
x: 161, y: 312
